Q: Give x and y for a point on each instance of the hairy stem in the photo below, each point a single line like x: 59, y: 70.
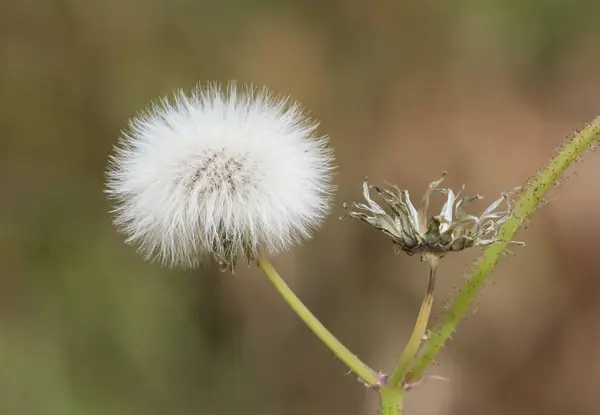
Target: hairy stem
x: 391, y: 400
x: 525, y: 205
x: 366, y: 374
x: 420, y: 329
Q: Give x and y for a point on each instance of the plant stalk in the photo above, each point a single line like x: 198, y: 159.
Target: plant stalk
x: 412, y: 347
x: 391, y: 400
x: 524, y: 207
x: 364, y: 372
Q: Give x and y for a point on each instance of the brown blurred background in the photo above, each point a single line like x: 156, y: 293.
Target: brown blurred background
x: 484, y: 90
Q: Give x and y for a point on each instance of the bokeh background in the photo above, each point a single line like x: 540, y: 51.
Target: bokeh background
x: 484, y: 90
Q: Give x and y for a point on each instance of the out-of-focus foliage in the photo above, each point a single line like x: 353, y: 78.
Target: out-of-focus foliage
x: 485, y: 90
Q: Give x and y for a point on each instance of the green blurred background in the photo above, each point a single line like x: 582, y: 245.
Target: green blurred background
x: 485, y: 90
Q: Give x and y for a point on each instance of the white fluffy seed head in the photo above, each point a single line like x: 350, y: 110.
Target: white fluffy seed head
x: 220, y: 172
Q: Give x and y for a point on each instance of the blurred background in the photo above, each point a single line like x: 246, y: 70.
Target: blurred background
x: 484, y: 90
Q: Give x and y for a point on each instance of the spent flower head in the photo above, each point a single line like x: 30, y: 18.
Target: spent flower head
x: 452, y: 230
x: 220, y: 172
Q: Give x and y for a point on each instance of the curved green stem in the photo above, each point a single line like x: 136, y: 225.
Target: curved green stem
x: 420, y: 329
x: 363, y: 371
x: 525, y: 205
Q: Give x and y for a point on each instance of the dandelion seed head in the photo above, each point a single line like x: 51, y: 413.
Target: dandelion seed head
x: 221, y: 172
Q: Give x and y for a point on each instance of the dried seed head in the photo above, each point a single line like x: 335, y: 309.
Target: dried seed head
x: 452, y: 230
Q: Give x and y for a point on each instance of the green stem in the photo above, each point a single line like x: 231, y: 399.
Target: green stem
x: 420, y: 329
x: 525, y: 205
x: 391, y: 400
x: 366, y: 374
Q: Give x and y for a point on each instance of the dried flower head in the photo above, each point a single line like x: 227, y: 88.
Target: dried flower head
x: 452, y: 230
x: 220, y: 172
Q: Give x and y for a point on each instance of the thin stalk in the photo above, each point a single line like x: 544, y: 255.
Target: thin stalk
x: 412, y: 347
x: 364, y: 372
x: 524, y: 207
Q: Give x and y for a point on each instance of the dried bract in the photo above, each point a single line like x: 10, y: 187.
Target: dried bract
x: 452, y: 230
